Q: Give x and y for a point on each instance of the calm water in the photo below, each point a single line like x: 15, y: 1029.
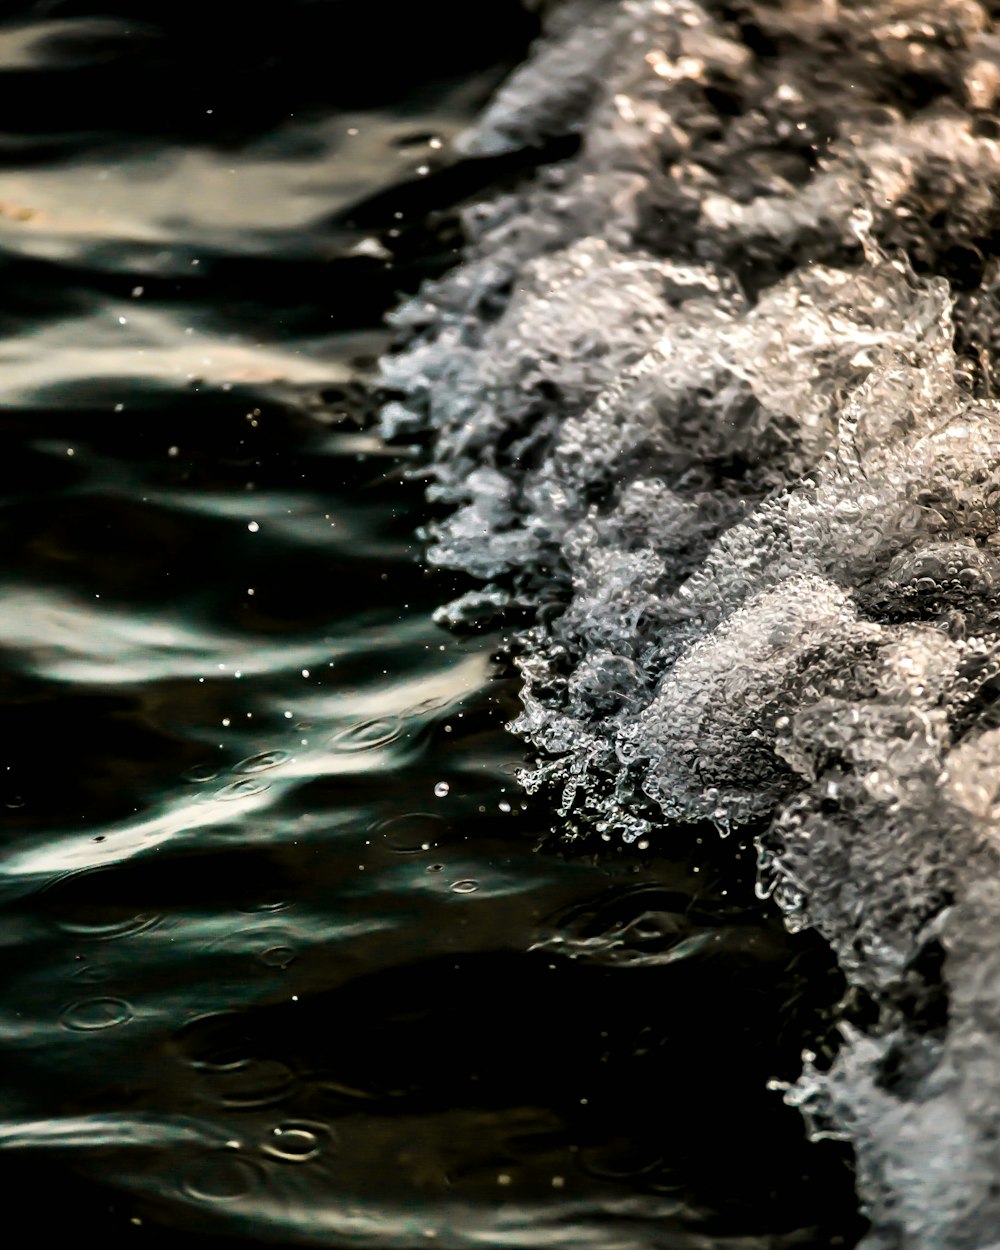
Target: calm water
x: 289, y: 959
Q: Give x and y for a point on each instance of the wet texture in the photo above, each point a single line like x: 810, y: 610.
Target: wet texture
x: 711, y: 402
x: 289, y: 957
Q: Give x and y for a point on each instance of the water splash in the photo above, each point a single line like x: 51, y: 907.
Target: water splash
x: 714, y: 397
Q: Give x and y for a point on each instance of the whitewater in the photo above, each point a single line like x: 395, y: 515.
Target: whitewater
x: 711, y: 398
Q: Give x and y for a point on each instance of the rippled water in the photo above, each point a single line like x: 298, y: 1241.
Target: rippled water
x: 288, y: 960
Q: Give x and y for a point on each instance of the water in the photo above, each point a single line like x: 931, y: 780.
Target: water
x: 712, y: 402
x: 290, y: 957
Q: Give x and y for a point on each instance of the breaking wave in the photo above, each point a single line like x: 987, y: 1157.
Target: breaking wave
x: 711, y: 398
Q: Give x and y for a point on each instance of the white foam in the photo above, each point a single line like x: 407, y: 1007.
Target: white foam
x: 686, y: 385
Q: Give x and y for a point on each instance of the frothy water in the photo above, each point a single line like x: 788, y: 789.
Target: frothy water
x: 711, y: 403
x: 289, y: 957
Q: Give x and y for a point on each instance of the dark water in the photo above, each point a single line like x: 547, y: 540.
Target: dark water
x: 289, y: 959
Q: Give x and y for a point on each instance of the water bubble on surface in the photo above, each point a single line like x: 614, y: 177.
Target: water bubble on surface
x: 368, y: 735
x: 220, y: 1176
x: 217, y: 1041
x: 199, y: 774
x: 76, y: 905
x: 254, y: 1083
x: 268, y: 902
x: 90, y: 1015
x: 278, y: 956
x: 411, y: 832
x: 260, y: 763
x: 90, y: 974
x: 465, y: 886
x: 103, y: 928
x: 296, y: 1141
x: 245, y: 788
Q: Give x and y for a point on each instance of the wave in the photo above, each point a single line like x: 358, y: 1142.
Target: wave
x: 712, y: 399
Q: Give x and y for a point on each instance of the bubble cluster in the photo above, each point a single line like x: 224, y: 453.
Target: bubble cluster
x: 713, y: 398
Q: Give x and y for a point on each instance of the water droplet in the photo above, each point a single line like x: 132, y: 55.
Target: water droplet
x: 220, y: 1176
x: 464, y: 887
x: 296, y: 1141
x: 368, y: 735
x: 441, y: 789
x: 260, y: 763
x: 92, y: 1014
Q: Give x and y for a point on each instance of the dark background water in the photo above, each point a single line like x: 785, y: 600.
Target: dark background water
x: 288, y: 958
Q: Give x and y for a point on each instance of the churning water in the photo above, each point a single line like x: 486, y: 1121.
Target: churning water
x: 712, y: 402
x: 689, y: 400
